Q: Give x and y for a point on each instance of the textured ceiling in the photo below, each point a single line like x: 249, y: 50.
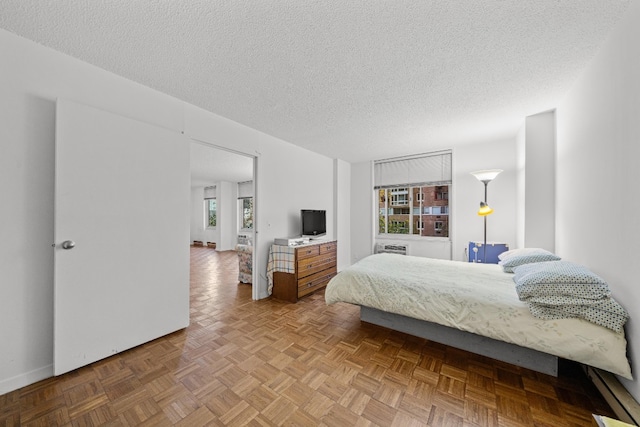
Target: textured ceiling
x: 355, y: 80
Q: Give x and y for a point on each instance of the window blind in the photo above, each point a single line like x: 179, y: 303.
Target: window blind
x: 245, y: 190
x: 210, y: 192
x: 414, y: 171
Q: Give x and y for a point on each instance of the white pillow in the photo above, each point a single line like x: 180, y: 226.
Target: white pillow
x: 522, y: 251
x: 515, y: 257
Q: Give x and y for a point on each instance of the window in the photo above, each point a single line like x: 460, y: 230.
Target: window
x: 245, y: 205
x: 439, y: 210
x: 413, y: 195
x: 212, y: 212
x: 398, y: 227
x: 246, y: 213
x: 210, y: 207
x: 396, y: 220
x: 399, y: 197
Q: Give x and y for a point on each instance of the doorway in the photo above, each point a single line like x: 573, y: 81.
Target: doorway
x: 223, y: 199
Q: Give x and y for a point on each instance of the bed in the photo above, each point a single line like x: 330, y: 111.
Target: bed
x: 474, y: 307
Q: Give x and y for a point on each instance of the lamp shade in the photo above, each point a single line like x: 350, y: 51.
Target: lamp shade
x: 486, y: 175
x: 484, y: 209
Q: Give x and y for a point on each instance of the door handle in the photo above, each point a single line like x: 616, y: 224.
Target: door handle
x: 68, y: 244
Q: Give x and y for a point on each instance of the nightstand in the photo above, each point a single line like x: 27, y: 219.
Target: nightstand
x: 493, y: 250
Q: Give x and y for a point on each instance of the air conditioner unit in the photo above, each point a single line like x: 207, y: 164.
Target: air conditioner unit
x: 391, y: 248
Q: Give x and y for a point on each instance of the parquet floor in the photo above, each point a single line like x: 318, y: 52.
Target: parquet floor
x: 266, y: 363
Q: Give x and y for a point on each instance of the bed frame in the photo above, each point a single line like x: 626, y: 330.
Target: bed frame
x: 500, y: 350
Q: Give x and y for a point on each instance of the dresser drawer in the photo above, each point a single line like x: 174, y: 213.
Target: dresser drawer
x: 329, y: 247
x: 307, y: 251
x: 315, y: 281
x: 309, y: 266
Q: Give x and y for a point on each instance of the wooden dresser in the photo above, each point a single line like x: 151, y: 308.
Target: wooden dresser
x: 315, y: 265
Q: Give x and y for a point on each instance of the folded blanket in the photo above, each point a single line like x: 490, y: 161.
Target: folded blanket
x: 562, y: 300
x: 607, y: 312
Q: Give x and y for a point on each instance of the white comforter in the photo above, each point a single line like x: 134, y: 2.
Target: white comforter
x: 478, y: 298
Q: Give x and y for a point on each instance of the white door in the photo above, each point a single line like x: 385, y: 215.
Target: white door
x: 122, y: 199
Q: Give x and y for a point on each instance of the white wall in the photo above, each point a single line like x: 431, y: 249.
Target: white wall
x: 342, y: 222
x: 466, y: 195
x: 227, y: 204
x: 598, y: 173
x: 225, y: 234
x: 539, y: 182
x: 196, y: 218
x: 197, y: 229
x: 361, y: 210
x: 521, y: 167
x: 31, y: 78
x: 468, y: 192
x: 289, y: 178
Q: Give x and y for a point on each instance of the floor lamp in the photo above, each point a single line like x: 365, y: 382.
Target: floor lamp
x: 485, y: 176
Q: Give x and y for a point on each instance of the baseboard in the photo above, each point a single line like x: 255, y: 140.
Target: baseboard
x: 619, y: 399
x: 23, y: 380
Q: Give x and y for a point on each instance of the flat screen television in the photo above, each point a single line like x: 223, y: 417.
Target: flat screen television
x: 314, y: 223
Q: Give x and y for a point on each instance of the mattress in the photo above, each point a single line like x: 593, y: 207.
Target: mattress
x: 477, y: 298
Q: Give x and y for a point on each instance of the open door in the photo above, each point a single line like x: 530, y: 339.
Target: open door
x: 121, y: 234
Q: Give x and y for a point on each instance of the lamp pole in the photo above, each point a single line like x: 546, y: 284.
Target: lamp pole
x: 484, y: 247
x: 485, y: 176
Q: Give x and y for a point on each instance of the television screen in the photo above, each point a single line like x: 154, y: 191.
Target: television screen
x: 314, y: 222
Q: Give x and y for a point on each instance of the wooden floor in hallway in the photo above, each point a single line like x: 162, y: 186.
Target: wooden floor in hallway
x: 271, y: 363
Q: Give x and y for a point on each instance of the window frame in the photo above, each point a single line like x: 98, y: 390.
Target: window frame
x: 423, y: 184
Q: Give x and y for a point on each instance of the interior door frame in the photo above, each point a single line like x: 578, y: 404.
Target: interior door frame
x: 255, y: 291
